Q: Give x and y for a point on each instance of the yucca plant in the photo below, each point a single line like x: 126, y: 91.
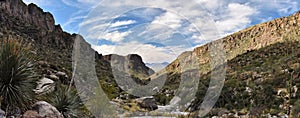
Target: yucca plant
x: 67, y: 101
x: 17, y: 75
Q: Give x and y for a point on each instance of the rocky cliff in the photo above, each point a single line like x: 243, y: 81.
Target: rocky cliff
x: 135, y: 64
x: 261, y: 62
x: 252, y: 38
x: 51, y: 46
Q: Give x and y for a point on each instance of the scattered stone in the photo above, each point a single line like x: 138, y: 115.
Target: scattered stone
x: 43, y: 64
x: 46, y: 110
x: 61, y: 74
x: 54, y: 77
x: 223, y: 112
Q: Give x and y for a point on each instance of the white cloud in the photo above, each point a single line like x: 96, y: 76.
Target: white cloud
x: 122, y: 23
x: 169, y: 19
x: 236, y: 17
x: 82, y: 4
x: 229, y: 16
x: 150, y: 53
x: 73, y: 20
x: 115, y: 36
x: 91, y: 20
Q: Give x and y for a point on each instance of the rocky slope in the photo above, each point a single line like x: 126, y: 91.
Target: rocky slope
x: 51, y: 46
x: 263, y: 60
x: 252, y: 38
x: 52, y: 49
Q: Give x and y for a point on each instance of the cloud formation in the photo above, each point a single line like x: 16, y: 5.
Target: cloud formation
x: 170, y: 23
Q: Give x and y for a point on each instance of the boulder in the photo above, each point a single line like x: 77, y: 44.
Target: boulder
x: 31, y: 114
x: 46, y: 110
x: 45, y: 85
x: 148, y: 103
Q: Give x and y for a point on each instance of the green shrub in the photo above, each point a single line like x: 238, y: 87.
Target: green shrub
x: 17, y: 75
x: 66, y: 101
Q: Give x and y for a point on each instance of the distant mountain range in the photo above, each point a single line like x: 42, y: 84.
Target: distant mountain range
x: 157, y: 66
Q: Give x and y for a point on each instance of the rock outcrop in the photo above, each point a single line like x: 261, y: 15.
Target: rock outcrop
x: 45, y: 85
x: 132, y: 62
x: 252, y: 38
x: 148, y: 103
x: 51, y: 47
x: 31, y: 13
x: 46, y: 110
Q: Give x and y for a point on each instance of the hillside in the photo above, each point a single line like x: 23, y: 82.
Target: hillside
x: 259, y: 82
x: 49, y: 42
x: 252, y: 38
x: 261, y: 59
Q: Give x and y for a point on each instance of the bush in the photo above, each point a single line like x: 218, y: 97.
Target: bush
x: 17, y: 75
x: 66, y: 101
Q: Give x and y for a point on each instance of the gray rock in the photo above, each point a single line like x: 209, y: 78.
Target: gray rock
x: 54, y: 77
x: 45, y: 85
x: 61, y: 74
x: 31, y: 114
x: 46, y: 110
x: 148, y: 103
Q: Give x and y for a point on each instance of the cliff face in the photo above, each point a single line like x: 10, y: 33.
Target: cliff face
x: 252, y: 38
x: 31, y: 22
x: 32, y: 13
x: 135, y: 64
x: 51, y: 46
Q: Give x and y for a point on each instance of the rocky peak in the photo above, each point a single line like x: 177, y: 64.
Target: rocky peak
x: 136, y: 58
x: 30, y: 13
x: 134, y: 62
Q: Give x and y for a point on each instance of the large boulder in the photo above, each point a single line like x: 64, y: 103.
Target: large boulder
x: 31, y: 114
x: 148, y: 103
x: 45, y: 85
x: 46, y: 110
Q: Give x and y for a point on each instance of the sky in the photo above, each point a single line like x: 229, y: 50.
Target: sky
x: 160, y: 30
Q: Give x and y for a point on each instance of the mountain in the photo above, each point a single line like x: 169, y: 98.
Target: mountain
x: 136, y: 67
x: 157, y: 66
x: 262, y: 61
x: 252, y: 38
x: 52, y: 47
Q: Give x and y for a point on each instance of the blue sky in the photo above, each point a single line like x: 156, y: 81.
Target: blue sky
x: 159, y: 30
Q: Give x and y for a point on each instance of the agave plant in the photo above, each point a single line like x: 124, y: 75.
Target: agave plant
x: 67, y: 101
x: 17, y: 75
